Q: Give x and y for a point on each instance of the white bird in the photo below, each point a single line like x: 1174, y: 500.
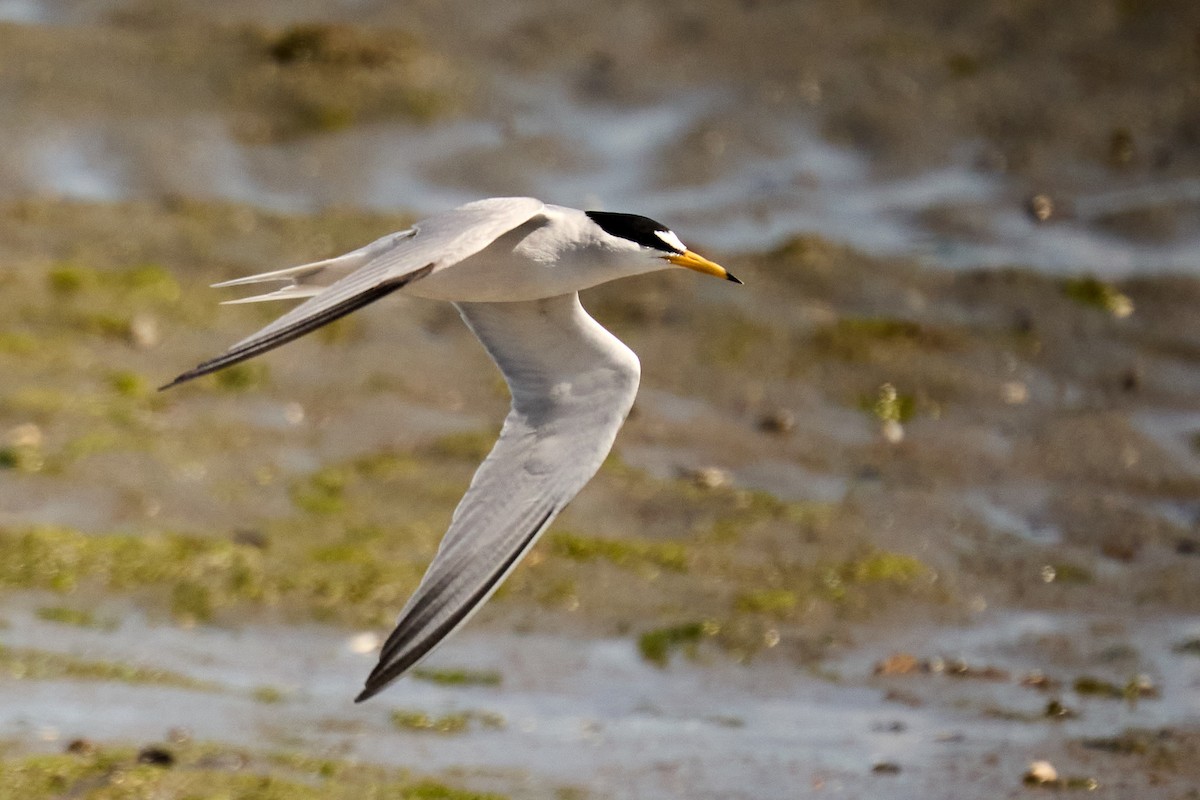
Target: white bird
x: 513, y: 267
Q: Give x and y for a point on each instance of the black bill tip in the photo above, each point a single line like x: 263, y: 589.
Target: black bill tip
x: 729, y: 276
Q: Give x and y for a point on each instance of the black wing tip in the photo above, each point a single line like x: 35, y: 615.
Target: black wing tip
x: 184, y: 378
x: 379, y: 679
x: 199, y: 371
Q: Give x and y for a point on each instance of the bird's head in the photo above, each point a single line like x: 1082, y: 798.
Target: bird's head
x: 654, y: 240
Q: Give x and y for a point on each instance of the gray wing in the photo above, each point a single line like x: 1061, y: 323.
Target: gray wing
x: 386, y: 265
x: 572, y: 384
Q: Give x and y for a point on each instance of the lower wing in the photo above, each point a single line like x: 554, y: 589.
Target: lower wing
x: 572, y: 385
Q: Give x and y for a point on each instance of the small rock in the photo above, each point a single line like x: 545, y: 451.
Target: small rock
x: 1040, y: 207
x: 961, y: 669
x: 293, y: 413
x: 1041, y: 772
x: 81, y: 747
x: 363, y: 643
x: 1036, y: 679
x: 25, y: 436
x: 892, y: 431
x: 1056, y: 710
x: 1014, y: 393
x: 144, y: 331
x: 779, y: 421
x: 898, y: 664
x: 158, y: 756
x: 1142, y: 685
x: 709, y: 477
x: 886, y: 768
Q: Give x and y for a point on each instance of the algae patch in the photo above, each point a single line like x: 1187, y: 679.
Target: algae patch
x: 1093, y: 292
x: 657, y: 645
x: 456, y: 722
x: 80, y: 618
x: 201, y: 576
x: 457, y: 677
x: 27, y: 664
x: 865, y: 339
x: 209, y: 771
x: 629, y: 553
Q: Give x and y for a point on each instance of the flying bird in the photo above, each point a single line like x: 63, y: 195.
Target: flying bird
x: 513, y: 266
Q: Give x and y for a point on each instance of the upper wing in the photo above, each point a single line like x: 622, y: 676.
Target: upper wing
x: 308, y: 280
x: 386, y: 265
x: 572, y: 384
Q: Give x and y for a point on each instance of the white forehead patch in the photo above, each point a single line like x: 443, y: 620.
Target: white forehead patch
x: 671, y: 239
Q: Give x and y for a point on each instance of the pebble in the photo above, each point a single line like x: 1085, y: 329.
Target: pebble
x: 1041, y: 772
x: 1040, y: 207
x: 81, y: 747
x: 158, y: 756
x: 363, y: 643
x: 144, y: 331
x: 708, y: 477
x: 780, y: 421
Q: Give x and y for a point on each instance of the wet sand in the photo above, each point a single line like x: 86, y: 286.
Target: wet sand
x: 921, y: 459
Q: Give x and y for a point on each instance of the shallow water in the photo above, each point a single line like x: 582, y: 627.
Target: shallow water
x: 813, y: 188
x: 592, y: 713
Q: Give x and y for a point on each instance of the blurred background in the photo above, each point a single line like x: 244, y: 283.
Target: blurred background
x: 915, y: 508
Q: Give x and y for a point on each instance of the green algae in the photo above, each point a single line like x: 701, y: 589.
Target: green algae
x: 200, y: 576
x: 17, y: 343
x: 78, y: 617
x: 733, y: 339
x: 322, y: 492
x: 29, y: 664
x: 268, y: 695
x: 1063, y: 572
x: 628, y: 553
x: 845, y: 580
x: 656, y: 646
x: 453, y: 723
x: 1132, y: 690
x: 128, y: 383
x: 1095, y: 293
x: 865, y: 339
x: 106, y: 302
x: 776, y: 602
x: 458, y: 677
x: 140, y: 283
x: 21, y: 458
x: 242, y: 377
x: 209, y: 771
x: 889, y: 405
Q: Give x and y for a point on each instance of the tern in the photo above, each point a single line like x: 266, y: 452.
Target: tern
x: 513, y: 266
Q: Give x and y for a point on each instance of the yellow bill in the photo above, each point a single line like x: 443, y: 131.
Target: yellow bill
x: 700, y: 264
